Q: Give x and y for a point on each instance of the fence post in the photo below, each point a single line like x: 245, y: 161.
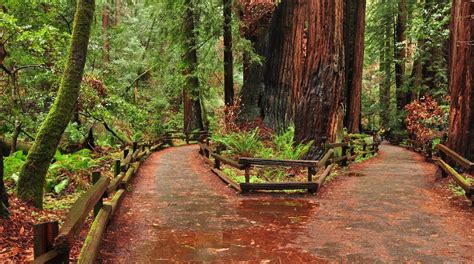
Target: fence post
x: 135, y: 146
x: 98, y: 205
x: 116, y: 167
x: 429, y: 150
x: 44, y: 235
x: 344, y: 153
x: 247, y: 174
x: 364, y: 149
x: 311, y: 172
x: 217, y: 162
x: 125, y: 153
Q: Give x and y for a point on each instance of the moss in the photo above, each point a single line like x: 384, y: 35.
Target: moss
x: 33, y: 173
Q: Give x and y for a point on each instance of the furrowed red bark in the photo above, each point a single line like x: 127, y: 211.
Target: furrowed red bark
x: 354, y: 29
x: 284, y: 65
x: 33, y: 173
x: 461, y: 79
x: 228, y: 58
x: 318, y: 115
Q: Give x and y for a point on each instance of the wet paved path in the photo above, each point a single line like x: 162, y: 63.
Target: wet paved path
x: 178, y: 212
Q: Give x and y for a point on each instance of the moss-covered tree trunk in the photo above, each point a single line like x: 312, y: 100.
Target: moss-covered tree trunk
x: 33, y: 172
x: 461, y: 79
x: 191, y: 97
x: 319, y: 113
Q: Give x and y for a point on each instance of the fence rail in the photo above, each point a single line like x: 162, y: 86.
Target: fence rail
x: 313, y: 166
x: 444, y: 158
x: 53, y: 244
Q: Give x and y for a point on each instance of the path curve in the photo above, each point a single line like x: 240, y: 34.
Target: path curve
x: 177, y: 211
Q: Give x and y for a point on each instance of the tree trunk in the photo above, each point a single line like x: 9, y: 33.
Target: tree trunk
x: 228, y: 58
x: 33, y: 172
x: 3, y: 193
x: 15, y: 136
x: 318, y: 114
x: 191, y: 101
x: 105, y: 34
x: 386, y: 69
x: 284, y: 64
x: 461, y: 79
x: 354, y: 29
x: 400, y: 55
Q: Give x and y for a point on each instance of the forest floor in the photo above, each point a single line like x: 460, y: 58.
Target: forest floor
x: 391, y: 209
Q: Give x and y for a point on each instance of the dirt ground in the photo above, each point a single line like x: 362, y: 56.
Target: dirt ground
x: 393, y: 211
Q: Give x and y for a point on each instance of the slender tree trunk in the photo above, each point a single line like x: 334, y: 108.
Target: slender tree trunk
x: 228, y: 58
x: 3, y: 193
x: 16, y: 133
x: 461, y: 79
x: 33, y: 172
x: 400, y: 55
x: 354, y: 29
x: 105, y: 35
x: 386, y: 63
x: 318, y: 115
x: 284, y: 64
x: 191, y: 101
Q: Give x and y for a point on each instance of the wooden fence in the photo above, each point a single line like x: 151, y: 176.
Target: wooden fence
x: 326, y: 163
x: 52, y: 244
x: 446, y: 159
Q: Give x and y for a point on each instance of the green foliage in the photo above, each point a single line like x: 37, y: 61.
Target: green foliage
x: 244, y: 144
x: 12, y: 165
x: 285, y: 147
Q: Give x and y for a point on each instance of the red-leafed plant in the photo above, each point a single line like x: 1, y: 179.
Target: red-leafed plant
x: 254, y: 14
x: 426, y: 119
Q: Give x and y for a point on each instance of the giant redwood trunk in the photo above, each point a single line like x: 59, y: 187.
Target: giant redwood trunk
x: 354, y: 29
x: 318, y: 115
x: 284, y: 64
x: 461, y: 79
x: 386, y: 70
x: 255, y: 17
x: 228, y: 58
x: 33, y: 173
x: 105, y: 33
x: 191, y: 101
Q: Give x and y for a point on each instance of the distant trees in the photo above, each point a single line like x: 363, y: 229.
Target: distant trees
x: 461, y: 78
x: 32, y: 176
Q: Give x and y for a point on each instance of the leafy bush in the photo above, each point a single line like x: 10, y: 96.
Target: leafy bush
x: 426, y: 119
x: 12, y: 165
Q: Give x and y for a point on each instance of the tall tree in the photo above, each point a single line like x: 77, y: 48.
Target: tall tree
x: 461, y: 78
x: 386, y: 66
x: 191, y: 96
x: 354, y: 28
x: 33, y: 172
x: 320, y: 111
x: 284, y: 63
x: 228, y: 58
x: 400, y: 54
x: 105, y: 33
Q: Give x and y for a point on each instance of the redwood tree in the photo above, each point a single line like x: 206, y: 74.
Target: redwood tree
x: 191, y: 102
x: 354, y: 28
x: 318, y: 114
x: 33, y: 173
x: 400, y: 54
x: 284, y: 63
x: 461, y: 78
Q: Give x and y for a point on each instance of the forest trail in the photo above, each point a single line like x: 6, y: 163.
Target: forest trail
x: 177, y: 211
